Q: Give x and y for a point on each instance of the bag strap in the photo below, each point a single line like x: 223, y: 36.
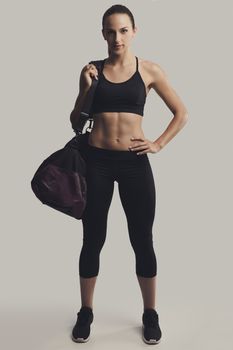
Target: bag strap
x: 90, y: 95
x: 86, y: 112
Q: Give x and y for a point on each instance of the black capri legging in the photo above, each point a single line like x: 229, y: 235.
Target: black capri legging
x: 136, y: 186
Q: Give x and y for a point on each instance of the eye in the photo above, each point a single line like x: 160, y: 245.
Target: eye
x: 110, y: 31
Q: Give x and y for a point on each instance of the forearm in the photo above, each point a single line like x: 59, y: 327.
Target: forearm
x: 75, y: 114
x: 176, y: 124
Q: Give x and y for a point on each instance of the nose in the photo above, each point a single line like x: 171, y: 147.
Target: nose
x: 117, y: 38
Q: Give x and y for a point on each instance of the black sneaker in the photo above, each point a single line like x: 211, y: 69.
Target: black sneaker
x: 151, y: 332
x: 81, y: 330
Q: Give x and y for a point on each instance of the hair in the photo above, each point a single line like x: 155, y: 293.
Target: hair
x: 118, y: 9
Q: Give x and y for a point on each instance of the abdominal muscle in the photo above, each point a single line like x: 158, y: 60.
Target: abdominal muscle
x: 113, y: 130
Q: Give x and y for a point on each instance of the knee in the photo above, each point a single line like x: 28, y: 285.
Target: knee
x: 146, y: 268
x: 146, y: 262
x: 89, y: 261
x: 93, y: 245
x: 90, y: 254
x: 142, y: 241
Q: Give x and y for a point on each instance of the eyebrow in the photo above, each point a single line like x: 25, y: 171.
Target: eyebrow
x: 112, y: 29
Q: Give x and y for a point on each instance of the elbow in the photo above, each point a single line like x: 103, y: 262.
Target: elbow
x: 73, y: 118
x: 183, y: 115
x: 184, y: 119
x: 71, y: 115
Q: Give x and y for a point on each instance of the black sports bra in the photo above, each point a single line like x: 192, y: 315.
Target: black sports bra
x: 126, y: 96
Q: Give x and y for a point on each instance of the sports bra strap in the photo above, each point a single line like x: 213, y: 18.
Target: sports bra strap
x: 136, y: 63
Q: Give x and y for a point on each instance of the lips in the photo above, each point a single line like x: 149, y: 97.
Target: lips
x: 117, y: 46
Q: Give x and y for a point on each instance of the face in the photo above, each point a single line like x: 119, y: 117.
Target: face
x: 118, y: 30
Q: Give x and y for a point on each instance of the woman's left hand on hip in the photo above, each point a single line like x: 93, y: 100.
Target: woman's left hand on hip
x: 142, y: 146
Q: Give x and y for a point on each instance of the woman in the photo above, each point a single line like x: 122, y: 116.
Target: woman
x: 117, y: 151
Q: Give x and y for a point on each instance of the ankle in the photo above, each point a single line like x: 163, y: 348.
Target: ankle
x: 149, y: 308
x: 86, y: 305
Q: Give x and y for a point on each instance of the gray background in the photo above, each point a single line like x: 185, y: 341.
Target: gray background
x: 43, y: 48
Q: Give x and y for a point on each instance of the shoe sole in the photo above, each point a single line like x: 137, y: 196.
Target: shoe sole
x: 82, y: 340
x: 151, y: 341
x: 79, y: 340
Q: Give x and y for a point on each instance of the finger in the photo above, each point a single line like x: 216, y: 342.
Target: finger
x: 94, y: 76
x: 92, y: 67
x: 142, y: 151
x: 137, y: 148
x: 140, y: 145
x: 137, y: 139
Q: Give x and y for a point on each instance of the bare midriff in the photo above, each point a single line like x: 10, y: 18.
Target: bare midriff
x: 113, y: 130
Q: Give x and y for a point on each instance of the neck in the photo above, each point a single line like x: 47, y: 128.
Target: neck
x: 120, y: 60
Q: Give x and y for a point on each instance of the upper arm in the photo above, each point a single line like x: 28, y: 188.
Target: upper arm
x: 161, y: 84
x: 81, y: 92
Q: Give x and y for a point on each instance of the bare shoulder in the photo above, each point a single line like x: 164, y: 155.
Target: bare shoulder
x: 158, y: 80
x: 154, y: 71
